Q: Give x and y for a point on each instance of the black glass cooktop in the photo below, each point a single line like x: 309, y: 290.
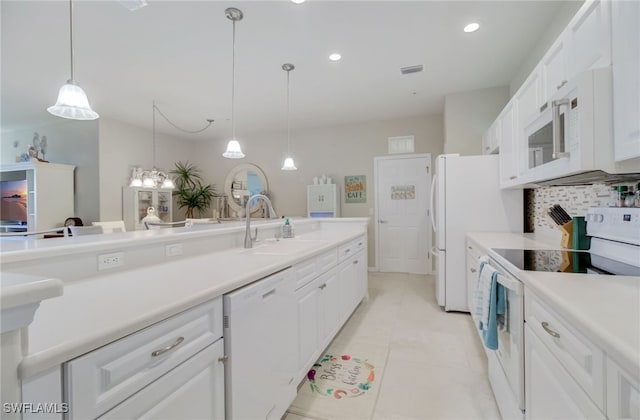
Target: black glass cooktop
x: 566, y: 261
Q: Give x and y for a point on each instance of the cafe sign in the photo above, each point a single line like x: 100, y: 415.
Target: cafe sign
x: 355, y: 189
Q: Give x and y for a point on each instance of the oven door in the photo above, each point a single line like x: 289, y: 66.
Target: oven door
x: 510, y: 352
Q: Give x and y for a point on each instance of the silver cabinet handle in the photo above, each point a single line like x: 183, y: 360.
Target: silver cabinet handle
x: 322, y: 286
x: 382, y: 221
x: 470, y: 247
x: 512, y: 177
x: 355, y: 262
x: 348, y: 250
x: 359, y: 243
x: 552, y: 333
x: 564, y: 82
x: 170, y: 347
x: 223, y: 359
x: 473, y: 270
x: 558, y: 139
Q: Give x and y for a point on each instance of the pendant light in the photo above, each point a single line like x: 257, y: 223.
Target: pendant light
x: 233, y: 147
x: 72, y: 102
x: 289, y: 165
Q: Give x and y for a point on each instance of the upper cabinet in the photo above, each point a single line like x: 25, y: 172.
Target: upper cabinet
x: 589, y: 37
x: 561, y: 120
x: 626, y: 79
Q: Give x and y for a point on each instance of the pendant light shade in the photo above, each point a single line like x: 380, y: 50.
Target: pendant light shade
x: 72, y: 102
x: 233, y: 147
x: 289, y: 165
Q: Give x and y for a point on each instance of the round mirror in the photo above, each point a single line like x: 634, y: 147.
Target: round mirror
x: 242, y: 182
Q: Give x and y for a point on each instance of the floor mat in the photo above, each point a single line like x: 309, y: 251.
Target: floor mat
x: 343, y: 384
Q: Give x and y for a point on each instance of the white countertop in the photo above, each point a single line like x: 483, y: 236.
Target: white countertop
x: 604, y: 308
x: 97, y: 311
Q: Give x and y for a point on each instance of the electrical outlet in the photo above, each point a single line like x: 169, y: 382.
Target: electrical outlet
x: 107, y: 261
x: 172, y: 250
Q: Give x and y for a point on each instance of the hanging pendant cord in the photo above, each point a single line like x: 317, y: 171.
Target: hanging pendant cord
x: 154, y: 134
x: 71, y: 36
x: 233, y: 84
x: 209, y: 122
x: 288, y: 118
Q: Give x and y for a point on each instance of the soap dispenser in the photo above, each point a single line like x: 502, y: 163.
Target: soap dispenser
x: 287, y: 229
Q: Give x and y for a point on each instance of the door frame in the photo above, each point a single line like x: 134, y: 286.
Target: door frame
x: 377, y: 159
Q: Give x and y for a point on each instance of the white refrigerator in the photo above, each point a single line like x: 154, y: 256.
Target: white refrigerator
x: 466, y: 196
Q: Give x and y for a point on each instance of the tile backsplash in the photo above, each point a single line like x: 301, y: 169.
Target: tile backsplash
x: 575, y: 200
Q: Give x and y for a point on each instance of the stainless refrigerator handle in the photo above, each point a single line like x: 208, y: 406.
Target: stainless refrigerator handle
x: 557, y: 133
x: 431, y: 204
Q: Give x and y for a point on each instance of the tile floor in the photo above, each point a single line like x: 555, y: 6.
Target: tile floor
x: 435, y: 367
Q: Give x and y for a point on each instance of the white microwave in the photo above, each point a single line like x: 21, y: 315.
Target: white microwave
x: 573, y: 132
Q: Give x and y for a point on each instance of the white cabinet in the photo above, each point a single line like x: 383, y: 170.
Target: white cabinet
x: 104, y: 378
x: 589, y: 37
x: 309, y: 309
x: 626, y: 79
x: 260, y: 338
x: 529, y: 100
x: 551, y: 393
x: 136, y: 201
x: 194, y: 390
x: 554, y: 69
x: 323, y: 200
x: 509, y: 148
x: 491, y: 139
x: 623, y: 392
x: 36, y: 195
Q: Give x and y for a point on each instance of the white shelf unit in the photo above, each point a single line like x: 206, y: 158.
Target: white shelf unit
x: 323, y: 200
x: 50, y: 193
x: 136, y: 201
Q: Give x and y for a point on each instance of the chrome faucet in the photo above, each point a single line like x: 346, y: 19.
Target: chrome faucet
x: 271, y: 213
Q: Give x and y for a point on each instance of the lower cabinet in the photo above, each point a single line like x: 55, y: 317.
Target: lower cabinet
x: 623, y: 392
x: 551, y: 393
x: 193, y: 390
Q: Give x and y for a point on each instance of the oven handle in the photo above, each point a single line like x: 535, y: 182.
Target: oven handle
x: 510, y: 283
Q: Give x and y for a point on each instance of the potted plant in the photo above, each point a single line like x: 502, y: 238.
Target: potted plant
x: 189, y: 190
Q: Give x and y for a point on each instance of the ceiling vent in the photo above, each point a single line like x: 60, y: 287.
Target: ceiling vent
x: 411, y: 69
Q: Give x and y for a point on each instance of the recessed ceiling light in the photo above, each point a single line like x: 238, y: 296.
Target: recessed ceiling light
x: 472, y: 27
x: 335, y: 57
x: 298, y: 1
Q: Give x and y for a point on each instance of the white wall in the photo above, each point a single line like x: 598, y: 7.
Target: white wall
x: 564, y: 15
x: 123, y: 147
x: 335, y: 151
x: 467, y: 115
x: 70, y: 142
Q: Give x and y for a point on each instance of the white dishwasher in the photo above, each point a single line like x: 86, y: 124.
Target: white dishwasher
x: 260, y: 336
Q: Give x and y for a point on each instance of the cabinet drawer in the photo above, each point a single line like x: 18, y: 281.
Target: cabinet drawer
x: 350, y: 248
x: 305, y: 272
x: 99, y: 380
x: 327, y: 260
x: 579, y: 356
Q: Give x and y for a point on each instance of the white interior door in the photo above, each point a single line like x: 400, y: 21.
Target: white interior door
x: 403, y: 238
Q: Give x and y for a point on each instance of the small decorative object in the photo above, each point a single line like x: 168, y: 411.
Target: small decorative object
x: 355, y: 189
x: 151, y: 217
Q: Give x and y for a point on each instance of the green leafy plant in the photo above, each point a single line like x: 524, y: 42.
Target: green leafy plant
x: 190, y: 191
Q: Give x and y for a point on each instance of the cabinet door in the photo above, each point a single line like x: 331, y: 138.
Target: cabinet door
x: 589, y: 35
x: 551, y: 391
x: 193, y: 390
x: 626, y: 79
x: 310, y: 327
x: 163, y: 205
x: 623, y: 392
x: 508, y: 148
x: 349, y: 275
x: 553, y: 69
x: 332, y: 306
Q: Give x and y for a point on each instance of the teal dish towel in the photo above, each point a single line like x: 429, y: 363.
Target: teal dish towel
x: 497, y: 306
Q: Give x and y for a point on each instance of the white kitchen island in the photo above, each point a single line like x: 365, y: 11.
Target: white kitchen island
x: 165, y: 273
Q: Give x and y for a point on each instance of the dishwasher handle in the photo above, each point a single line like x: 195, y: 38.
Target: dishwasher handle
x: 510, y: 283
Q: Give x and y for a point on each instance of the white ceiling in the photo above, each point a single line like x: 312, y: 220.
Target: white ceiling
x: 179, y: 53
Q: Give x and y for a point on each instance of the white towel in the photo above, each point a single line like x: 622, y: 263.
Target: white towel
x: 483, y: 293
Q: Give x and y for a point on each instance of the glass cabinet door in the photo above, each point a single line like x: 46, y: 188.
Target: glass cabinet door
x: 145, y: 200
x: 164, y: 205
